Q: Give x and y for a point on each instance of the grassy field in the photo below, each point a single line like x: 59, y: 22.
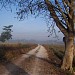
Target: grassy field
x: 12, y: 51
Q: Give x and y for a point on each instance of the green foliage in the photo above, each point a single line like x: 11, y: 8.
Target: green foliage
x: 6, y: 34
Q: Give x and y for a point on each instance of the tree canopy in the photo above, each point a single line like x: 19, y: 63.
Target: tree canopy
x: 62, y: 12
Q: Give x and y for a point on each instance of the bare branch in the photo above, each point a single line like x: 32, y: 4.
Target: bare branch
x: 56, y: 19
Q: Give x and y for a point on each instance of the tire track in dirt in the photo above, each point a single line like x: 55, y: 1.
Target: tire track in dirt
x: 12, y: 68
x: 26, y: 64
x: 41, y: 54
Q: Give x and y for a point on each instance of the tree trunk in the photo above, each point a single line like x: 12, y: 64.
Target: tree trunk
x: 68, y: 57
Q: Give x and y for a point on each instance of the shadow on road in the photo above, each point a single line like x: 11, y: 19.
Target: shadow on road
x: 44, y: 59
x: 48, y: 61
x: 16, y: 70
x: 13, y: 69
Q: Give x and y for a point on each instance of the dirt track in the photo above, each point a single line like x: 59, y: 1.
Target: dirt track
x: 35, y: 62
x: 16, y: 67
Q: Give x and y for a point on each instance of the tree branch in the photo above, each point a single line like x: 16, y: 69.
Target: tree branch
x: 55, y: 17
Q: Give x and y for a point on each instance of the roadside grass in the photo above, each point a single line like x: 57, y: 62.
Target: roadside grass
x: 57, y: 52
x: 12, y: 51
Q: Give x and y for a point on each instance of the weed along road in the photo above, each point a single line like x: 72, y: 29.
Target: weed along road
x: 35, y: 62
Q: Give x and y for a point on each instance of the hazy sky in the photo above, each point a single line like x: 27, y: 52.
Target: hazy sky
x: 30, y: 28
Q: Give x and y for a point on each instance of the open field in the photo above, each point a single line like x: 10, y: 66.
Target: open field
x: 12, y: 51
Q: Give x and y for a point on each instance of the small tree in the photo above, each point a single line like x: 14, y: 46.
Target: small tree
x: 6, y: 34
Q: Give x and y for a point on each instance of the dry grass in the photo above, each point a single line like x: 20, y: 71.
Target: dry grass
x: 56, y: 53
x: 12, y: 51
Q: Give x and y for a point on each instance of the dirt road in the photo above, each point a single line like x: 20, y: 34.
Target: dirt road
x: 35, y: 62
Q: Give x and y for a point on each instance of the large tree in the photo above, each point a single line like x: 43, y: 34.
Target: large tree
x: 62, y: 12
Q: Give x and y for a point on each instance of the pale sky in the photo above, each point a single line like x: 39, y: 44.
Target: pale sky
x: 31, y: 28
